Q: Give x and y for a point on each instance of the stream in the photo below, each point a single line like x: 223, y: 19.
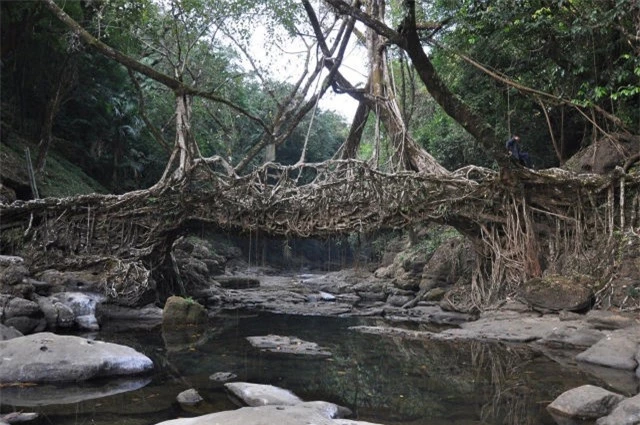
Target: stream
x: 382, y: 379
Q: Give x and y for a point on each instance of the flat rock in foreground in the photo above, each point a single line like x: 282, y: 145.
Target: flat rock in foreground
x: 46, y: 357
x: 280, y: 415
x: 287, y: 345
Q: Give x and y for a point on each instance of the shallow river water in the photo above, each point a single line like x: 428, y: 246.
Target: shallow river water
x: 382, y: 379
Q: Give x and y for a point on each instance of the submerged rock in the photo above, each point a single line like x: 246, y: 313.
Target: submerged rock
x: 72, y: 393
x: 189, y: 397
x: 15, y: 417
x: 46, y: 357
x: 287, y: 345
x: 222, y: 376
x: 585, y: 402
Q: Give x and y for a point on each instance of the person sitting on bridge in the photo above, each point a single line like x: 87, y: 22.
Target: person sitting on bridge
x: 514, y: 152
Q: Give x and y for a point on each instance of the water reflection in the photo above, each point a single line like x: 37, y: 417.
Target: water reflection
x: 46, y: 394
x: 382, y: 379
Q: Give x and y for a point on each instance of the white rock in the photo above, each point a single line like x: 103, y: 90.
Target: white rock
x: 46, y: 357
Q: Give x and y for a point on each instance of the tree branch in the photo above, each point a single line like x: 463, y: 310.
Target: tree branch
x: 129, y: 62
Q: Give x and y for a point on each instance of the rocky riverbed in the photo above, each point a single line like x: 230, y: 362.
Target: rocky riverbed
x: 408, y: 298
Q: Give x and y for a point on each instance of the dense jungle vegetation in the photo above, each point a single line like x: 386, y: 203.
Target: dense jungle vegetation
x: 69, y: 103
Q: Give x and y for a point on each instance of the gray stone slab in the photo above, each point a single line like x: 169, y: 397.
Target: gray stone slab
x: 616, y: 350
x: 280, y: 415
x: 46, y: 357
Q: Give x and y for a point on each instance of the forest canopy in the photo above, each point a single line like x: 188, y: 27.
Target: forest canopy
x: 562, y: 74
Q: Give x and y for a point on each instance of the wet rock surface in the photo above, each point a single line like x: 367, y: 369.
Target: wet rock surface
x: 46, y: 394
x: 288, y: 345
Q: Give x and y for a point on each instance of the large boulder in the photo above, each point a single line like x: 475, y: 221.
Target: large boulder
x: 556, y: 293
x: 605, y: 154
x: 585, y: 402
x: 627, y: 412
x: 179, y: 312
x: 450, y: 262
x: 46, y: 357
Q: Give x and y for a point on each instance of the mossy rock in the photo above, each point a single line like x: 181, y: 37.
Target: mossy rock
x: 557, y: 293
x: 180, y: 312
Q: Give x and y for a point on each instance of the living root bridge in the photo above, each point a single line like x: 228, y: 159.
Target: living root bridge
x: 517, y: 216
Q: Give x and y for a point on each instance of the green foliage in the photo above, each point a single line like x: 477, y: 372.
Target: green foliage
x: 579, y: 50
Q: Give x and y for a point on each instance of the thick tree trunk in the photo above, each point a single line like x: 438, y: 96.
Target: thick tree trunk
x: 409, y: 41
x: 185, y: 148
x: 350, y: 149
x: 407, y: 154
